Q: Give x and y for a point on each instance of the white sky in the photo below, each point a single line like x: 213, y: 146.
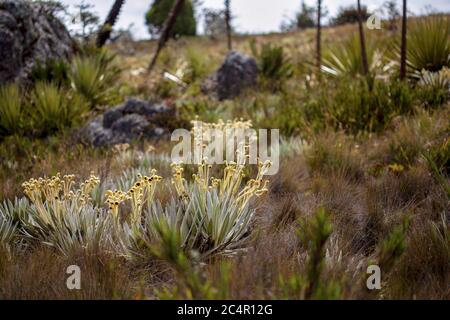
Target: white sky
x: 251, y: 16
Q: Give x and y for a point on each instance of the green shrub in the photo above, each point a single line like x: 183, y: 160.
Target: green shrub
x: 10, y: 109
x: 198, y: 65
x: 281, y: 112
x: 361, y: 106
x: 274, y: 66
x: 54, y: 108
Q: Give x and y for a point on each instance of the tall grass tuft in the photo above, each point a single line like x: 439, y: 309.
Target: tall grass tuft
x: 93, y: 75
x: 55, y: 108
x: 10, y: 109
x: 429, y: 44
x: 345, y: 59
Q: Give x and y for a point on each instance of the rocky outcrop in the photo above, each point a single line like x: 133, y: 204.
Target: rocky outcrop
x: 130, y: 121
x: 29, y: 33
x: 237, y: 73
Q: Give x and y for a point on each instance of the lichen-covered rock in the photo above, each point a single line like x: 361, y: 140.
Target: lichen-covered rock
x: 29, y: 33
x: 237, y: 73
x: 129, y: 121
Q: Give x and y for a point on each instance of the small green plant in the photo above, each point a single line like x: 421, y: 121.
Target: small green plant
x: 192, y: 283
x: 313, y: 234
x: 55, y: 108
x: 198, y: 65
x: 11, y: 114
x: 274, y: 66
x: 92, y: 75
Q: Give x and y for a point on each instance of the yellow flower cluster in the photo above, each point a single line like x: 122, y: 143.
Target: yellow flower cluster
x: 142, y: 192
x: 59, y: 188
x: 113, y: 200
x: 178, y: 181
x: 201, y: 131
x: 230, y: 184
x: 57, y: 192
x: 257, y: 186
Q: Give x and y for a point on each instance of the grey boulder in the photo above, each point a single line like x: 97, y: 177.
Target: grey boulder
x: 237, y: 73
x: 132, y: 120
x: 29, y: 34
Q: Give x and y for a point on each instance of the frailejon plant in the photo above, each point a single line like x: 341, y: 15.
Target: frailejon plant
x: 219, y: 208
x: 7, y: 231
x: 210, y: 215
x: 434, y: 87
x: 62, y: 216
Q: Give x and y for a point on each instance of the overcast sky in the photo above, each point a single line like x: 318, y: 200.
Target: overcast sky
x: 250, y: 15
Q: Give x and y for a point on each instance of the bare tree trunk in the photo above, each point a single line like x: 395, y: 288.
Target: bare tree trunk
x: 166, y: 30
x: 228, y: 23
x: 105, y: 31
x: 363, y: 41
x: 403, y: 45
x: 318, y: 37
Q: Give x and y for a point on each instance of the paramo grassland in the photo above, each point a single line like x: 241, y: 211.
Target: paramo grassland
x: 363, y: 179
